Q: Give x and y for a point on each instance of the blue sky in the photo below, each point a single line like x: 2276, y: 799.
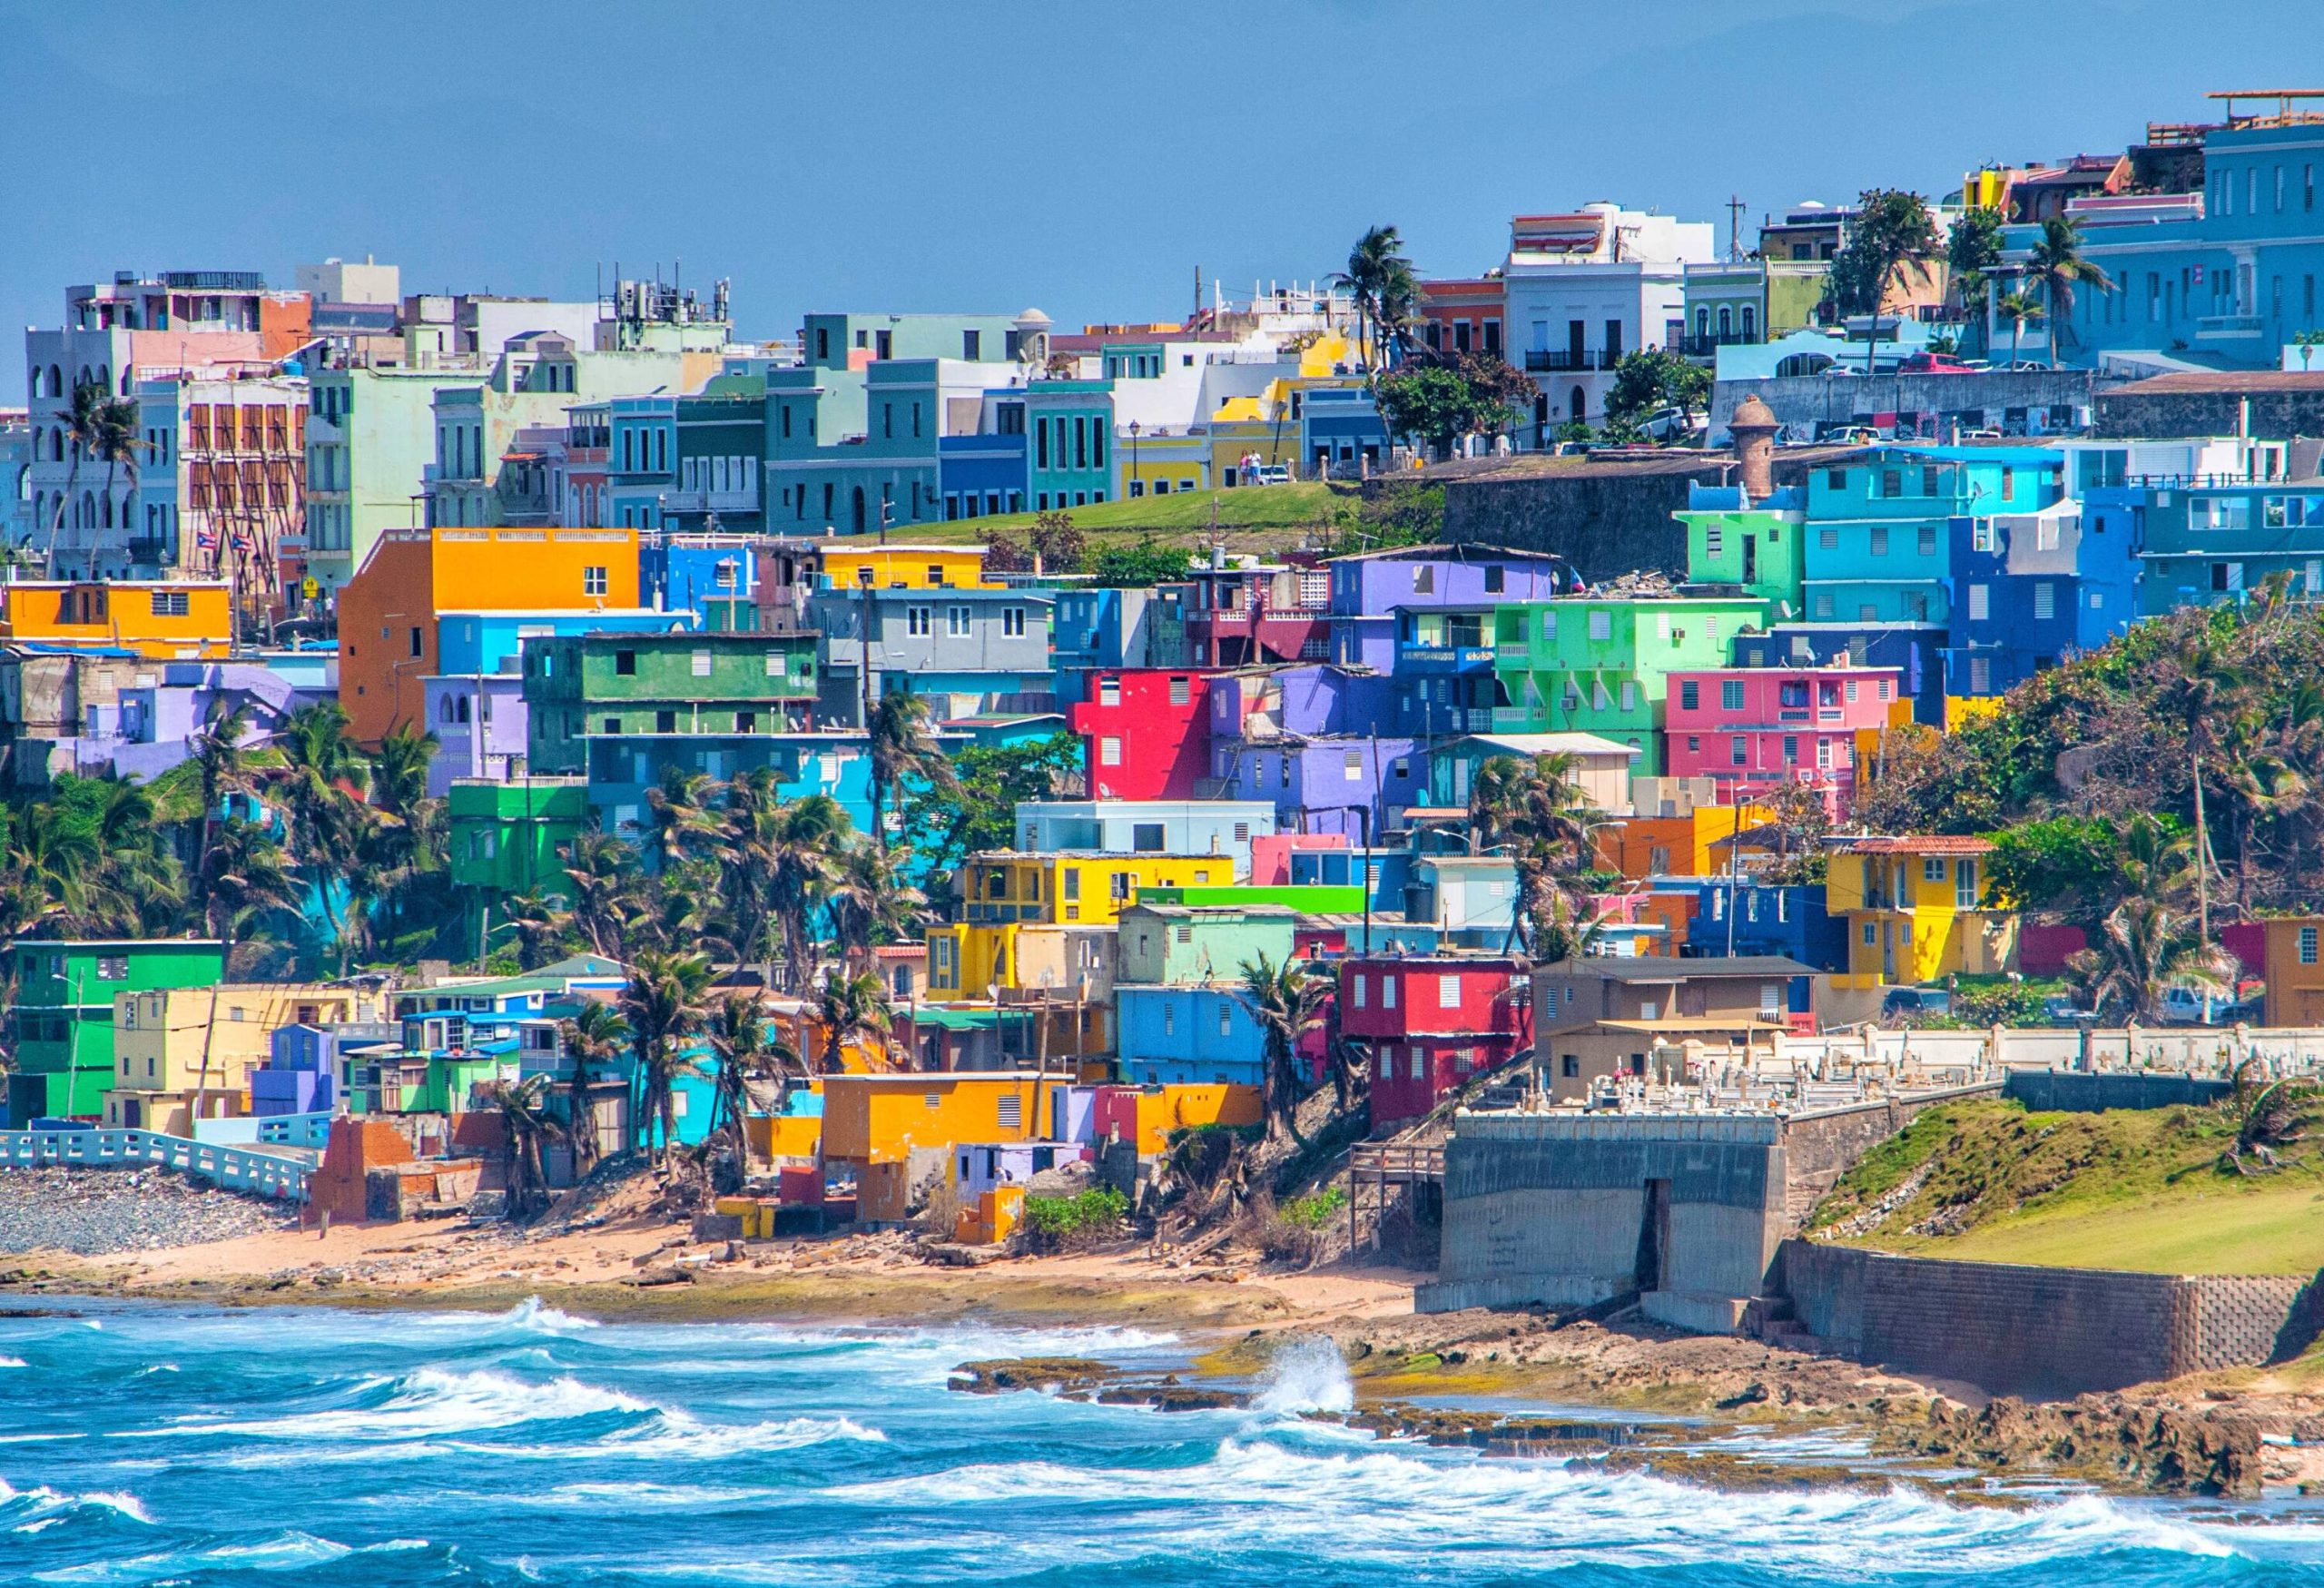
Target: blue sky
x: 1084, y: 156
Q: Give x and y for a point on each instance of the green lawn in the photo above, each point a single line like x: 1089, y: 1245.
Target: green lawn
x: 2136, y: 1190
x: 1182, y: 515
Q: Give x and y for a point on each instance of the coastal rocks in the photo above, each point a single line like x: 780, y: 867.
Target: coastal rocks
x: 1082, y: 1378
x: 90, y: 1212
x: 2150, y: 1445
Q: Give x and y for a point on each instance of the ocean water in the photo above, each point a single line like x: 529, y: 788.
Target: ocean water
x: 201, y: 1447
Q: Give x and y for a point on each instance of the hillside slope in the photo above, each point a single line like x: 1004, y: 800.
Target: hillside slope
x: 1987, y: 1181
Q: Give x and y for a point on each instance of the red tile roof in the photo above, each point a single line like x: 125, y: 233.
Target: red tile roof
x: 1928, y: 843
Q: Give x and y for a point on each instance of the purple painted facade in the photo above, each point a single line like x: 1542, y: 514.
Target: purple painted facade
x: 1368, y: 588
x: 1314, y: 781
x: 1310, y: 700
x: 480, y: 722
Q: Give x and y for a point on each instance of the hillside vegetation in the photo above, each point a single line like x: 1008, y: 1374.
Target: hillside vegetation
x: 2148, y: 1190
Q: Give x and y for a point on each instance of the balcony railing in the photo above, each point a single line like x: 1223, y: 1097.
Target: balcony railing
x: 2223, y: 326
x: 1706, y: 344
x: 1453, y: 655
x: 1539, y: 360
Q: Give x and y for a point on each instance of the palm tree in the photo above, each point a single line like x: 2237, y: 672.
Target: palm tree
x: 748, y: 827
x: 663, y: 1006
x: 539, y: 925
x: 746, y: 1051
x: 1376, y: 271
x: 242, y: 880
x: 319, y: 782
x: 2017, y: 306
x: 220, y: 768
x: 802, y: 845
x: 525, y: 1123
x: 2057, y: 267
x: 593, y: 1038
x: 2142, y: 950
x: 681, y: 820
x: 604, y: 875
x: 1286, y: 1002
x: 903, y: 746
x: 1534, y: 810
x: 97, y: 425
x: 854, y: 1008
x: 870, y: 903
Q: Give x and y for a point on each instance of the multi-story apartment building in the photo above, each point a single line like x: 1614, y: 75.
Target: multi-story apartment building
x: 61, y: 1021
x: 1878, y: 527
x: 1752, y: 729
x: 966, y: 649
x: 222, y: 484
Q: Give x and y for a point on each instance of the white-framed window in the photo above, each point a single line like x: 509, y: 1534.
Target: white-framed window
x: 593, y: 581
x: 701, y: 664
x: 919, y: 621
x: 1387, y: 991
x: 1601, y: 625
x: 1012, y: 622
x: 956, y: 622
x: 1448, y: 990
x: 1932, y: 868
x: 2045, y: 601
x: 1109, y: 752
x: 1357, y: 980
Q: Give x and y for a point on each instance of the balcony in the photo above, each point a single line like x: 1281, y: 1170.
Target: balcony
x: 1547, y: 360
x: 1706, y: 344
x: 1460, y: 658
x: 2217, y: 328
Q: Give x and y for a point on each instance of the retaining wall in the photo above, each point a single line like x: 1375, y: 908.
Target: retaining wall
x: 2016, y: 1329
x: 2069, y: 1092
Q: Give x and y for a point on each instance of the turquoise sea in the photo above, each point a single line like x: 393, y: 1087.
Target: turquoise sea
x: 205, y: 1446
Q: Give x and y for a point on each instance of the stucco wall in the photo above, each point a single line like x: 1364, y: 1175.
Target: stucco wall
x: 2064, y: 1092
x: 2278, y: 414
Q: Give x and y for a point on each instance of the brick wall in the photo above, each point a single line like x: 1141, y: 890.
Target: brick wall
x: 2016, y: 1329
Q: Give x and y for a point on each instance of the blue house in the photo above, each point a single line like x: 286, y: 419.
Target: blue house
x: 1877, y: 549
x: 641, y: 459
x: 1340, y: 432
x: 715, y: 577
x: 2032, y: 588
x: 1188, y: 1035
x: 1789, y: 919
x: 1390, y: 871
x: 1099, y: 628
x: 980, y: 475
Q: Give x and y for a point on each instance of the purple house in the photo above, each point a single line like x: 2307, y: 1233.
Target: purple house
x: 297, y: 1076
x: 1368, y: 588
x: 1314, y: 698
x: 1326, y: 784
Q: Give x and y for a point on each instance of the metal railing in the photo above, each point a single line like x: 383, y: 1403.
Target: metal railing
x: 1544, y: 360
x: 233, y: 1168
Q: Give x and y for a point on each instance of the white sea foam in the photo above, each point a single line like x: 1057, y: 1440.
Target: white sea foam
x: 156, y: 1368
x: 534, y: 1316
x: 12, y: 1362
x: 435, y: 1402
x: 42, y: 1501
x: 1307, y: 1375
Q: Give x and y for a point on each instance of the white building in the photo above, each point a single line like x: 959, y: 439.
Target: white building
x: 1586, y: 288
x: 339, y: 282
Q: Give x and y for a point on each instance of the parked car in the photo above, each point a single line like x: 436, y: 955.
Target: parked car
x: 1853, y: 436
x: 1912, y: 1001
x: 1984, y: 433
x: 1671, y: 424
x: 2196, y: 1006
x: 2062, y: 1009
x: 1272, y: 474
x: 1934, y: 364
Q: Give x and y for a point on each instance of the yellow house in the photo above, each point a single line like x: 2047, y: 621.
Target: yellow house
x: 1090, y: 888
x: 904, y: 567
x: 174, y: 1045
x: 965, y: 958
x: 166, y: 620
x: 1164, y: 1109
x: 875, y: 1125
x: 1159, y: 463
x: 1918, y: 909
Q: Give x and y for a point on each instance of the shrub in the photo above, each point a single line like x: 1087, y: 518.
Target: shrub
x: 1055, y: 1223
x: 1317, y: 1208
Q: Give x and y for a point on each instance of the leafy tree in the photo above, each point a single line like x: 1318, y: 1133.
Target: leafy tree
x: 1532, y: 809
x: 746, y: 1052
x: 1472, y: 394
x: 97, y: 426
x: 1654, y: 378
x: 852, y: 1009
x: 525, y: 1123
x: 2056, y: 266
x: 663, y: 1005
x: 2017, y: 306
x: 1385, y: 290
x: 1130, y: 567
x: 903, y: 746
x: 1061, y: 547
x: 989, y: 779
x: 593, y: 1038
x: 2142, y: 950
x: 803, y: 842
x: 1891, y: 227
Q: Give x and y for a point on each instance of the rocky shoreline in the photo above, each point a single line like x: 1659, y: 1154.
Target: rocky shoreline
x: 91, y: 1212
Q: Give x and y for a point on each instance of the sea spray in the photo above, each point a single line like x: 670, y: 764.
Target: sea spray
x: 1307, y: 1375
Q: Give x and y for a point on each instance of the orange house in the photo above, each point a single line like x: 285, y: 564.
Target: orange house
x: 166, y: 620
x: 388, y: 613
x: 1667, y: 846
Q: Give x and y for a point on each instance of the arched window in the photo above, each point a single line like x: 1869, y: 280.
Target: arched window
x: 104, y: 378
x: 128, y: 378
x: 464, y: 708
x: 1725, y: 321
x: 56, y: 381
x: 1751, y: 324
x: 88, y: 516
x: 1581, y: 409
x: 107, y: 500
x: 82, y: 379
x: 40, y: 509
x: 444, y: 711
x: 1702, y: 322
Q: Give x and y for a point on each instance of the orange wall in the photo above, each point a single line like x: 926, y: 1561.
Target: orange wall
x: 413, y: 574
x: 120, y: 613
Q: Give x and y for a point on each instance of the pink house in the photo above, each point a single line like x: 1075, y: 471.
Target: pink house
x: 1751, y: 729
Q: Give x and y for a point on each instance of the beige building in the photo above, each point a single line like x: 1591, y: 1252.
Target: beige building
x: 174, y: 1045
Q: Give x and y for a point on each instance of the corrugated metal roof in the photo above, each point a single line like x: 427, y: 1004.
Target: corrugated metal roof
x: 1931, y: 844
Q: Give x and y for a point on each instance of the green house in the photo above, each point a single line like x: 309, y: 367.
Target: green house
x: 62, y: 1020
x: 512, y: 837
x: 1188, y: 945
x: 605, y: 695
x: 1596, y: 665
x: 1308, y: 899
x: 1757, y: 546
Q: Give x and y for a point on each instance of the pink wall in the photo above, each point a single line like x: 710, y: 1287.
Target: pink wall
x: 1808, y: 707
x: 1271, y: 854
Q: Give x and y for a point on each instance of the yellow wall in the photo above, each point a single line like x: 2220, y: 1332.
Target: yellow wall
x: 911, y: 567
x: 159, y: 1040
x: 881, y: 1119
x: 1181, y: 462
x: 1921, y: 934
x: 120, y: 613
x: 1080, y: 887
x: 786, y: 1136
x: 1961, y: 710
x: 1164, y: 1109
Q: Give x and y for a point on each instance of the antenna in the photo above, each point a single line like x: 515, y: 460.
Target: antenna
x: 1734, y: 228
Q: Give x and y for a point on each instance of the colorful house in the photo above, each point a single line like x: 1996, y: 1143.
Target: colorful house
x: 1757, y: 545
x: 1751, y: 729
x: 185, y: 1053
x: 1372, y: 590
x: 62, y: 1021
x: 1186, y: 944
x: 1880, y: 527
x: 2294, y: 969
x: 894, y: 1134
x: 1181, y: 1035
x: 1918, y: 908
x: 511, y: 837
x: 1599, y: 666
x: 1601, y: 767
x: 389, y: 612
x: 1432, y: 1021
x: 1148, y: 733
x: 2036, y: 588
x: 154, y: 619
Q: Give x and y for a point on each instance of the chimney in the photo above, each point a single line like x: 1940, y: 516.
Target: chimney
x: 1754, y: 427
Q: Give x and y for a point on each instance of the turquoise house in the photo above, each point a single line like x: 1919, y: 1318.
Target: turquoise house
x: 1878, y: 547
x: 1071, y: 427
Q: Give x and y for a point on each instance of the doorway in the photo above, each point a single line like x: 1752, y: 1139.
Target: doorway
x: 1653, y: 1268
x: 1750, y: 559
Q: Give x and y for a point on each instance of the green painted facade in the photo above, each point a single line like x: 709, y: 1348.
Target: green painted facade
x: 830, y: 342
x: 722, y: 458
x: 619, y: 691
x: 512, y: 837
x: 1760, y: 549
x: 370, y: 438
x: 1182, y: 945
x: 1070, y: 428
x: 1320, y: 899
x: 1583, y: 665
x: 61, y: 1024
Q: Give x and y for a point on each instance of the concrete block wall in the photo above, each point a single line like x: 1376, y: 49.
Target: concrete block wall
x: 2231, y: 1320
x: 2064, y: 1091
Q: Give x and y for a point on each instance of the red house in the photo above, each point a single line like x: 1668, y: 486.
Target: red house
x: 1147, y: 733
x: 1432, y: 1021
x: 1244, y: 614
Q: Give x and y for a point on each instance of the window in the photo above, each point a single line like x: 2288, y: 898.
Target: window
x: 1932, y: 868
x: 1448, y: 990
x: 2045, y: 601
x: 919, y: 621
x: 1601, y: 625
x: 1357, y: 981
x: 1012, y: 622
x: 1791, y: 749
x: 1928, y: 540
x: 1892, y: 482
x: 1827, y: 540
x: 2307, y: 945
x: 1738, y: 751
x: 415, y: 642
x: 169, y: 604
x: 1225, y: 1019
x: 1712, y: 540
x: 1109, y: 752
x: 1496, y: 580
x: 1880, y: 540
x: 1109, y: 692
x: 665, y: 722
x: 1690, y: 696
x: 593, y: 581
x: 1387, y: 991
x: 113, y: 968
x: 1169, y: 1019
x: 1980, y: 603
x: 701, y: 664
x: 1964, y: 885
x: 1730, y: 694
x: 1181, y: 691
x: 626, y: 664
x: 956, y: 622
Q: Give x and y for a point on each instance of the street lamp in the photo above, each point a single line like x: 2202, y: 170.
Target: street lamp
x: 1136, y: 485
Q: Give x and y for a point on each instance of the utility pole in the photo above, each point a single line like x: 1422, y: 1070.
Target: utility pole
x: 1734, y: 228
x: 1735, y: 865
x: 2202, y: 857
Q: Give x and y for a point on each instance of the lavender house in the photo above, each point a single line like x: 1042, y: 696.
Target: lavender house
x: 92, y: 712
x: 1369, y: 587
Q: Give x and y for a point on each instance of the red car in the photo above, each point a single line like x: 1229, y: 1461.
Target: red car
x: 1934, y: 364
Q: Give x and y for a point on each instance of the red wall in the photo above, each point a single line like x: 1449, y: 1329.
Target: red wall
x: 1397, y: 1094
x: 1164, y: 746
x: 1485, y: 1005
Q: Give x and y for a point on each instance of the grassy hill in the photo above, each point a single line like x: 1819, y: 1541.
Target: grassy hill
x: 1987, y: 1181
x: 1250, y: 518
